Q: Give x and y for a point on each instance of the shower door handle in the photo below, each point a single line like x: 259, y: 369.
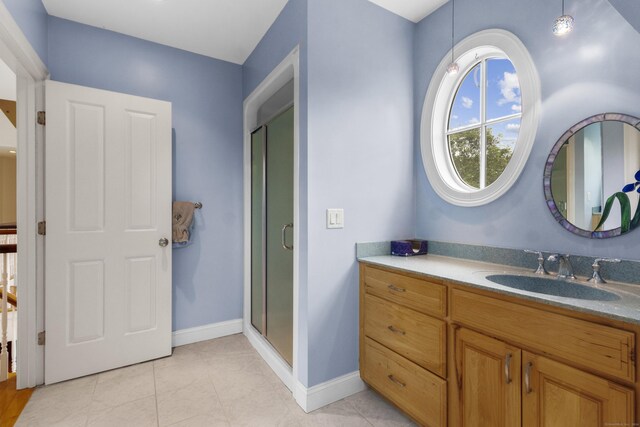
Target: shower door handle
x: 284, y: 237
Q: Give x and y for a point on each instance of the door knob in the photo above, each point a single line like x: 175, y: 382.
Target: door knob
x: 163, y: 242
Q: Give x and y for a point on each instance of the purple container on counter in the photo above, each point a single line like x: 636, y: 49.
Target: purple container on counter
x: 408, y: 247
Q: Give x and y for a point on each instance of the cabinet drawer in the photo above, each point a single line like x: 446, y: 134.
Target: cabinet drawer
x: 421, y: 295
x: 593, y: 346
x: 416, y: 336
x: 415, y: 390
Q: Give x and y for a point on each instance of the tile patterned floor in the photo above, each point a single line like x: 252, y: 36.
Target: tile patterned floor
x: 221, y: 382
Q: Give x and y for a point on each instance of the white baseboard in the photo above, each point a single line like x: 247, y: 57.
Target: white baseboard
x: 328, y: 392
x: 271, y: 357
x: 309, y: 399
x: 206, y: 332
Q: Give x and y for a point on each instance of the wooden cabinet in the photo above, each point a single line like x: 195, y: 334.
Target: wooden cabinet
x: 421, y: 295
x: 449, y: 354
x: 403, y: 342
x: 589, y: 345
x: 557, y: 395
x: 416, y: 336
x: 488, y: 377
x: 499, y: 383
x: 418, y: 392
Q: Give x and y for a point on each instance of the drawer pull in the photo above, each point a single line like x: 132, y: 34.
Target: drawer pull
x: 396, y: 289
x: 396, y: 381
x: 396, y: 330
x: 507, y: 369
x: 527, y: 377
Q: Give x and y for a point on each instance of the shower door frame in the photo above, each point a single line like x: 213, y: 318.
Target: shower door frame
x: 265, y: 126
x: 287, y: 70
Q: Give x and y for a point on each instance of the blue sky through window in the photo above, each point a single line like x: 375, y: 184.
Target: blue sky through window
x: 502, y: 94
x: 466, y: 104
x: 503, y: 89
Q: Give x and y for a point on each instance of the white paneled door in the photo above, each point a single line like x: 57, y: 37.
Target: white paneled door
x: 108, y: 209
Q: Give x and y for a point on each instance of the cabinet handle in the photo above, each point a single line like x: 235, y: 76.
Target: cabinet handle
x: 527, y: 377
x: 396, y: 330
x: 507, y: 369
x: 397, y: 289
x: 396, y: 381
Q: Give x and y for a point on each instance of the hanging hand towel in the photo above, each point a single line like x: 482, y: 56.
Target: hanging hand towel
x: 182, y: 218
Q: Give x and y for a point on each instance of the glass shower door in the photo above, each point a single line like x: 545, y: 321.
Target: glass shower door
x: 272, y: 232
x: 279, y: 161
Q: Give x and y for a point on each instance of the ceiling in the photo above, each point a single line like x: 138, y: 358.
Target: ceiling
x: 223, y: 29
x: 413, y: 10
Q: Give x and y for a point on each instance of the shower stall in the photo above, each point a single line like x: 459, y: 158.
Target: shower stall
x: 272, y: 208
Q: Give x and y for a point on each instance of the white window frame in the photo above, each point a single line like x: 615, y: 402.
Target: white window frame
x: 437, y: 107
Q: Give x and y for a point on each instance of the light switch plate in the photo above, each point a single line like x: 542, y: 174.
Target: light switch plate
x: 335, y: 218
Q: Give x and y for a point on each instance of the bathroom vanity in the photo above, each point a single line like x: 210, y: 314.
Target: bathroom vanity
x: 451, y: 348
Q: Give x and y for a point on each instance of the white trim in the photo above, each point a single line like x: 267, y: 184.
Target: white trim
x: 277, y: 364
x: 328, y: 392
x: 30, y: 71
x: 206, y: 332
x: 288, y: 69
x: 435, y: 156
x: 309, y: 399
x: 21, y: 50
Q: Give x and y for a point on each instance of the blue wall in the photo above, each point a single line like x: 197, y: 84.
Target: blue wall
x: 31, y: 17
x: 288, y: 31
x: 360, y: 158
x: 592, y: 70
x: 356, y: 138
x: 207, y: 135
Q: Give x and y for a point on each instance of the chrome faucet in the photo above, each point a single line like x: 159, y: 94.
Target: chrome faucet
x: 597, y: 278
x: 540, y: 270
x: 565, y: 270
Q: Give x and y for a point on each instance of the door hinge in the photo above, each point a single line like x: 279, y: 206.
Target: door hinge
x: 42, y: 228
x: 42, y: 118
x: 41, y: 337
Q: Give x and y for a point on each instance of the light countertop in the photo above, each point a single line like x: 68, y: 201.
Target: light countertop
x: 473, y: 274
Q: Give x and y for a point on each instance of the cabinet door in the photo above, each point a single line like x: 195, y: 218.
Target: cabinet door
x: 488, y: 373
x: 556, y: 395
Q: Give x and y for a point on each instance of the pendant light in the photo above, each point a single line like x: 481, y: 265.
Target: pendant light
x: 453, y: 67
x: 563, y: 24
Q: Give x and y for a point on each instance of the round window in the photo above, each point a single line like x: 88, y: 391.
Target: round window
x: 478, y: 126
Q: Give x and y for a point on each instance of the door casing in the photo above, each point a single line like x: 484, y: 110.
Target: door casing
x: 288, y: 69
x: 23, y: 60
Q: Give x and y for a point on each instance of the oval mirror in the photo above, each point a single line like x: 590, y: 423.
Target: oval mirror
x: 592, y: 176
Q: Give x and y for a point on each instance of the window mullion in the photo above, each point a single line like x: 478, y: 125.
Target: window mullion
x: 483, y: 128
x: 503, y: 119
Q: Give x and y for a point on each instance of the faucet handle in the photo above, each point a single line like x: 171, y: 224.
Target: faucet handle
x: 540, y: 269
x: 599, y: 260
x: 596, y: 277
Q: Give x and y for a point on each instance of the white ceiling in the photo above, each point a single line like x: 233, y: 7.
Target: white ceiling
x: 413, y: 10
x: 223, y: 29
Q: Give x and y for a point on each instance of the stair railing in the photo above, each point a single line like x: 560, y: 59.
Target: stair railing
x: 5, y: 251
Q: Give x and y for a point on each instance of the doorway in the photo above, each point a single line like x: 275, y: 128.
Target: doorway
x: 272, y: 224
x: 8, y: 228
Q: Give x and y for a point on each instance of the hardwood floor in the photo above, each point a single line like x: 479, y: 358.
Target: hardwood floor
x: 12, y: 401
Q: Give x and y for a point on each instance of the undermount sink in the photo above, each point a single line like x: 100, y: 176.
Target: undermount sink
x: 555, y: 287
